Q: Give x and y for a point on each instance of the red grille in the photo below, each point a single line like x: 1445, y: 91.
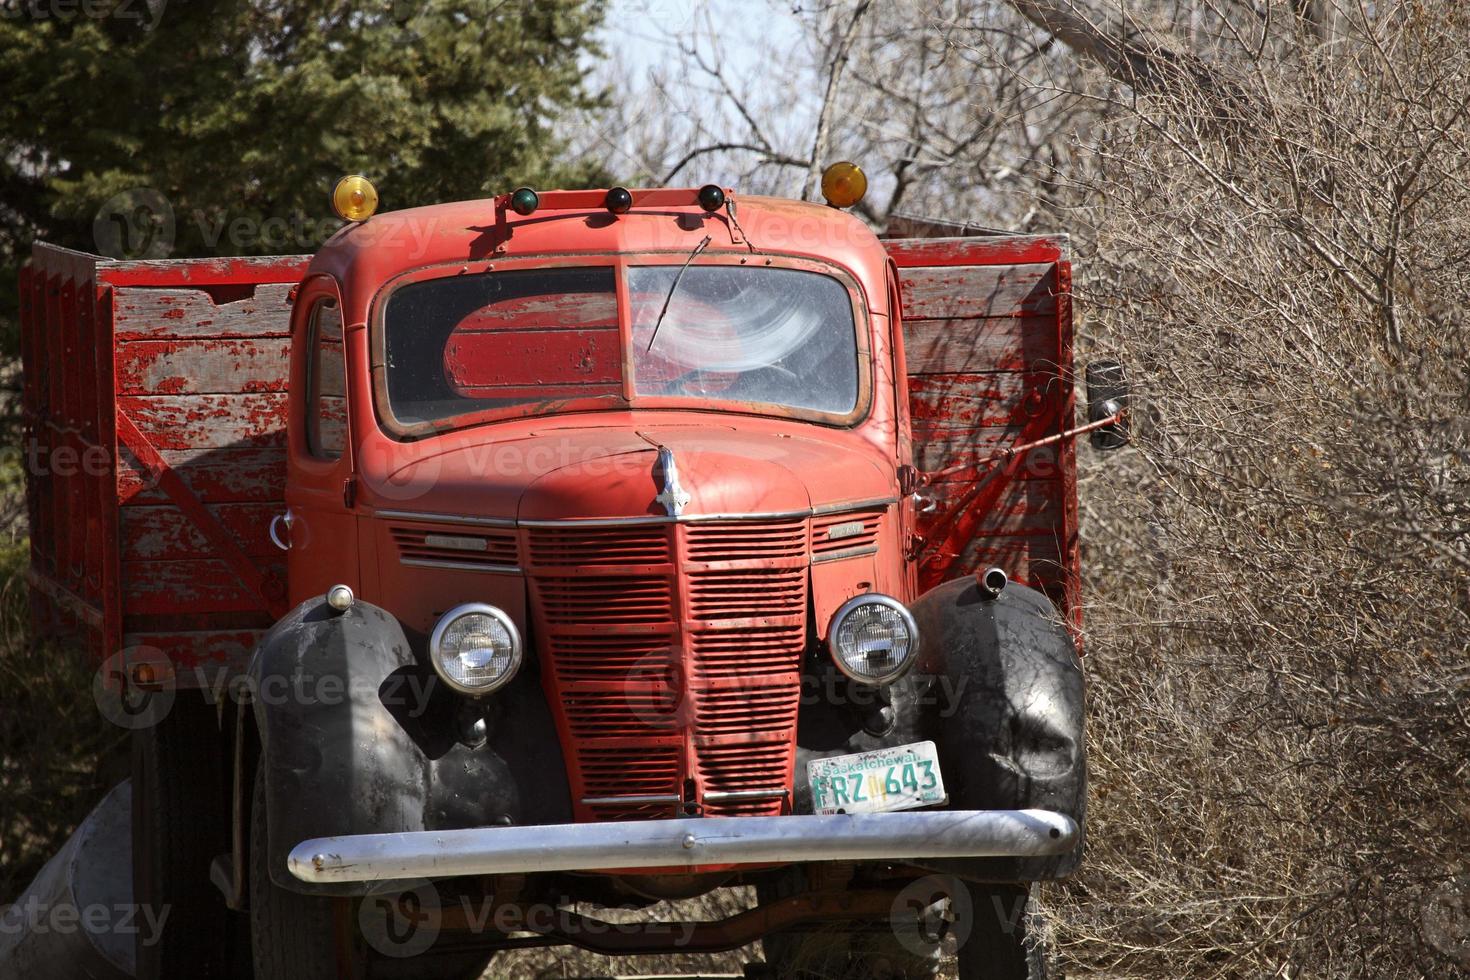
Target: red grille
x: 599, y: 600
x: 748, y: 653
x: 757, y: 593
x: 742, y: 542
x: 744, y: 769
x: 746, y: 709
x: 608, y: 657
x: 837, y: 533
x: 629, y: 772
x: 599, y: 547
x: 461, y: 546
x: 667, y: 675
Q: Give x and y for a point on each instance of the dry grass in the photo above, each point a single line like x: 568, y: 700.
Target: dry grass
x: 57, y: 756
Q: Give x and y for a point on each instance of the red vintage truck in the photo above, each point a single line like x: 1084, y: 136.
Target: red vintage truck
x: 582, y: 548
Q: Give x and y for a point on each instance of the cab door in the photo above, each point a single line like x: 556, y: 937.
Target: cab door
x: 318, y: 527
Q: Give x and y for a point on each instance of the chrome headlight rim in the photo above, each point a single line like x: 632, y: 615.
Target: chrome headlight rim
x: 436, y: 639
x: 873, y: 598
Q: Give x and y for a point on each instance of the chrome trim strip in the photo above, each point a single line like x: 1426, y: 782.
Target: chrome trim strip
x: 684, y: 842
x: 597, y: 521
x: 789, y: 515
x: 838, y: 508
x: 721, y: 796
x: 651, y: 798
x: 574, y: 522
x: 416, y: 515
x: 464, y: 566
x: 870, y: 549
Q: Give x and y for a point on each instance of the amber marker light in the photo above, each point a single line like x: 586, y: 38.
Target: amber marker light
x: 354, y: 198
x: 844, y: 184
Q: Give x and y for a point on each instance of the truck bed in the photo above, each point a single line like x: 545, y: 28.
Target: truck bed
x: 166, y: 380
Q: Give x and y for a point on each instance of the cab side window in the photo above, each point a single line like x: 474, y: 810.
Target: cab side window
x: 326, y: 383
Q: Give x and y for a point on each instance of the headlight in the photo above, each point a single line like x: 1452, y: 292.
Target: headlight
x: 873, y: 639
x: 475, y: 648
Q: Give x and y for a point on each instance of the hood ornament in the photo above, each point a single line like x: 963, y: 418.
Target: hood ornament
x: 673, y: 497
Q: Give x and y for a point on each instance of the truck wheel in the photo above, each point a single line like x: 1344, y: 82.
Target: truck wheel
x: 180, y: 824
x: 309, y: 937
x: 1005, y: 941
x: 292, y: 936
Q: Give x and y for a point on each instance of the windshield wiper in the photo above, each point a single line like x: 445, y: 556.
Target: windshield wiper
x: 673, y: 286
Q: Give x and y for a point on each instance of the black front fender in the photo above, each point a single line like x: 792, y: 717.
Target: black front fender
x: 1009, y: 726
x: 357, y: 737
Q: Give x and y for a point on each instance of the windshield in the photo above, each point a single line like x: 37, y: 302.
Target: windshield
x: 468, y: 348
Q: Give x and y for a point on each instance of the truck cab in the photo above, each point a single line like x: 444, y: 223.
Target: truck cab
x: 624, y: 546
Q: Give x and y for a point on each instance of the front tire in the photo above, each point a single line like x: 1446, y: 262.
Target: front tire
x: 292, y: 936
x: 309, y: 937
x: 1005, y: 941
x: 180, y: 824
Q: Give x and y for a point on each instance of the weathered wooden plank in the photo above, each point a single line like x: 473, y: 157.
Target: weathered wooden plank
x: 974, y: 345
x: 562, y: 311
x: 968, y: 450
x: 1033, y: 559
x: 187, y: 649
x: 937, y: 292
x: 946, y: 403
x: 229, y: 271
x: 1023, y: 507
x: 161, y: 587
x: 208, y: 421
x: 176, y: 367
x: 143, y: 314
x: 1001, y: 250
x: 478, y: 363
x: 162, y: 532
x: 213, y: 475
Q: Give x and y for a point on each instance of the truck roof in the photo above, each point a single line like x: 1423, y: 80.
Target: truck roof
x: 364, y: 255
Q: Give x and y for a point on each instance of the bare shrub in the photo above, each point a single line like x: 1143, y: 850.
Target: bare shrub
x: 1279, y: 679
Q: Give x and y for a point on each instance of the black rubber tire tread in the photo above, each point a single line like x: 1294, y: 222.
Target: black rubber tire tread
x: 292, y: 936
x: 180, y: 823
x: 999, y: 949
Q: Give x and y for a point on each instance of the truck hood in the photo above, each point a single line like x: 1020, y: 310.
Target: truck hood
x: 615, y: 472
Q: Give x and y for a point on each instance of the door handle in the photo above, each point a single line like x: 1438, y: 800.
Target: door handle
x: 923, y: 504
x: 275, y: 534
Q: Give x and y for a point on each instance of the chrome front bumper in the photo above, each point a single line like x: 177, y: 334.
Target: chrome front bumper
x: 684, y: 843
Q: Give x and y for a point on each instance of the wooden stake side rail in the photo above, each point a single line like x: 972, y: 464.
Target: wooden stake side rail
x: 154, y: 409
x: 987, y: 326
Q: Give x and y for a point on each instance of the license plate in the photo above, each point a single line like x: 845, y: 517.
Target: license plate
x: 900, y: 778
